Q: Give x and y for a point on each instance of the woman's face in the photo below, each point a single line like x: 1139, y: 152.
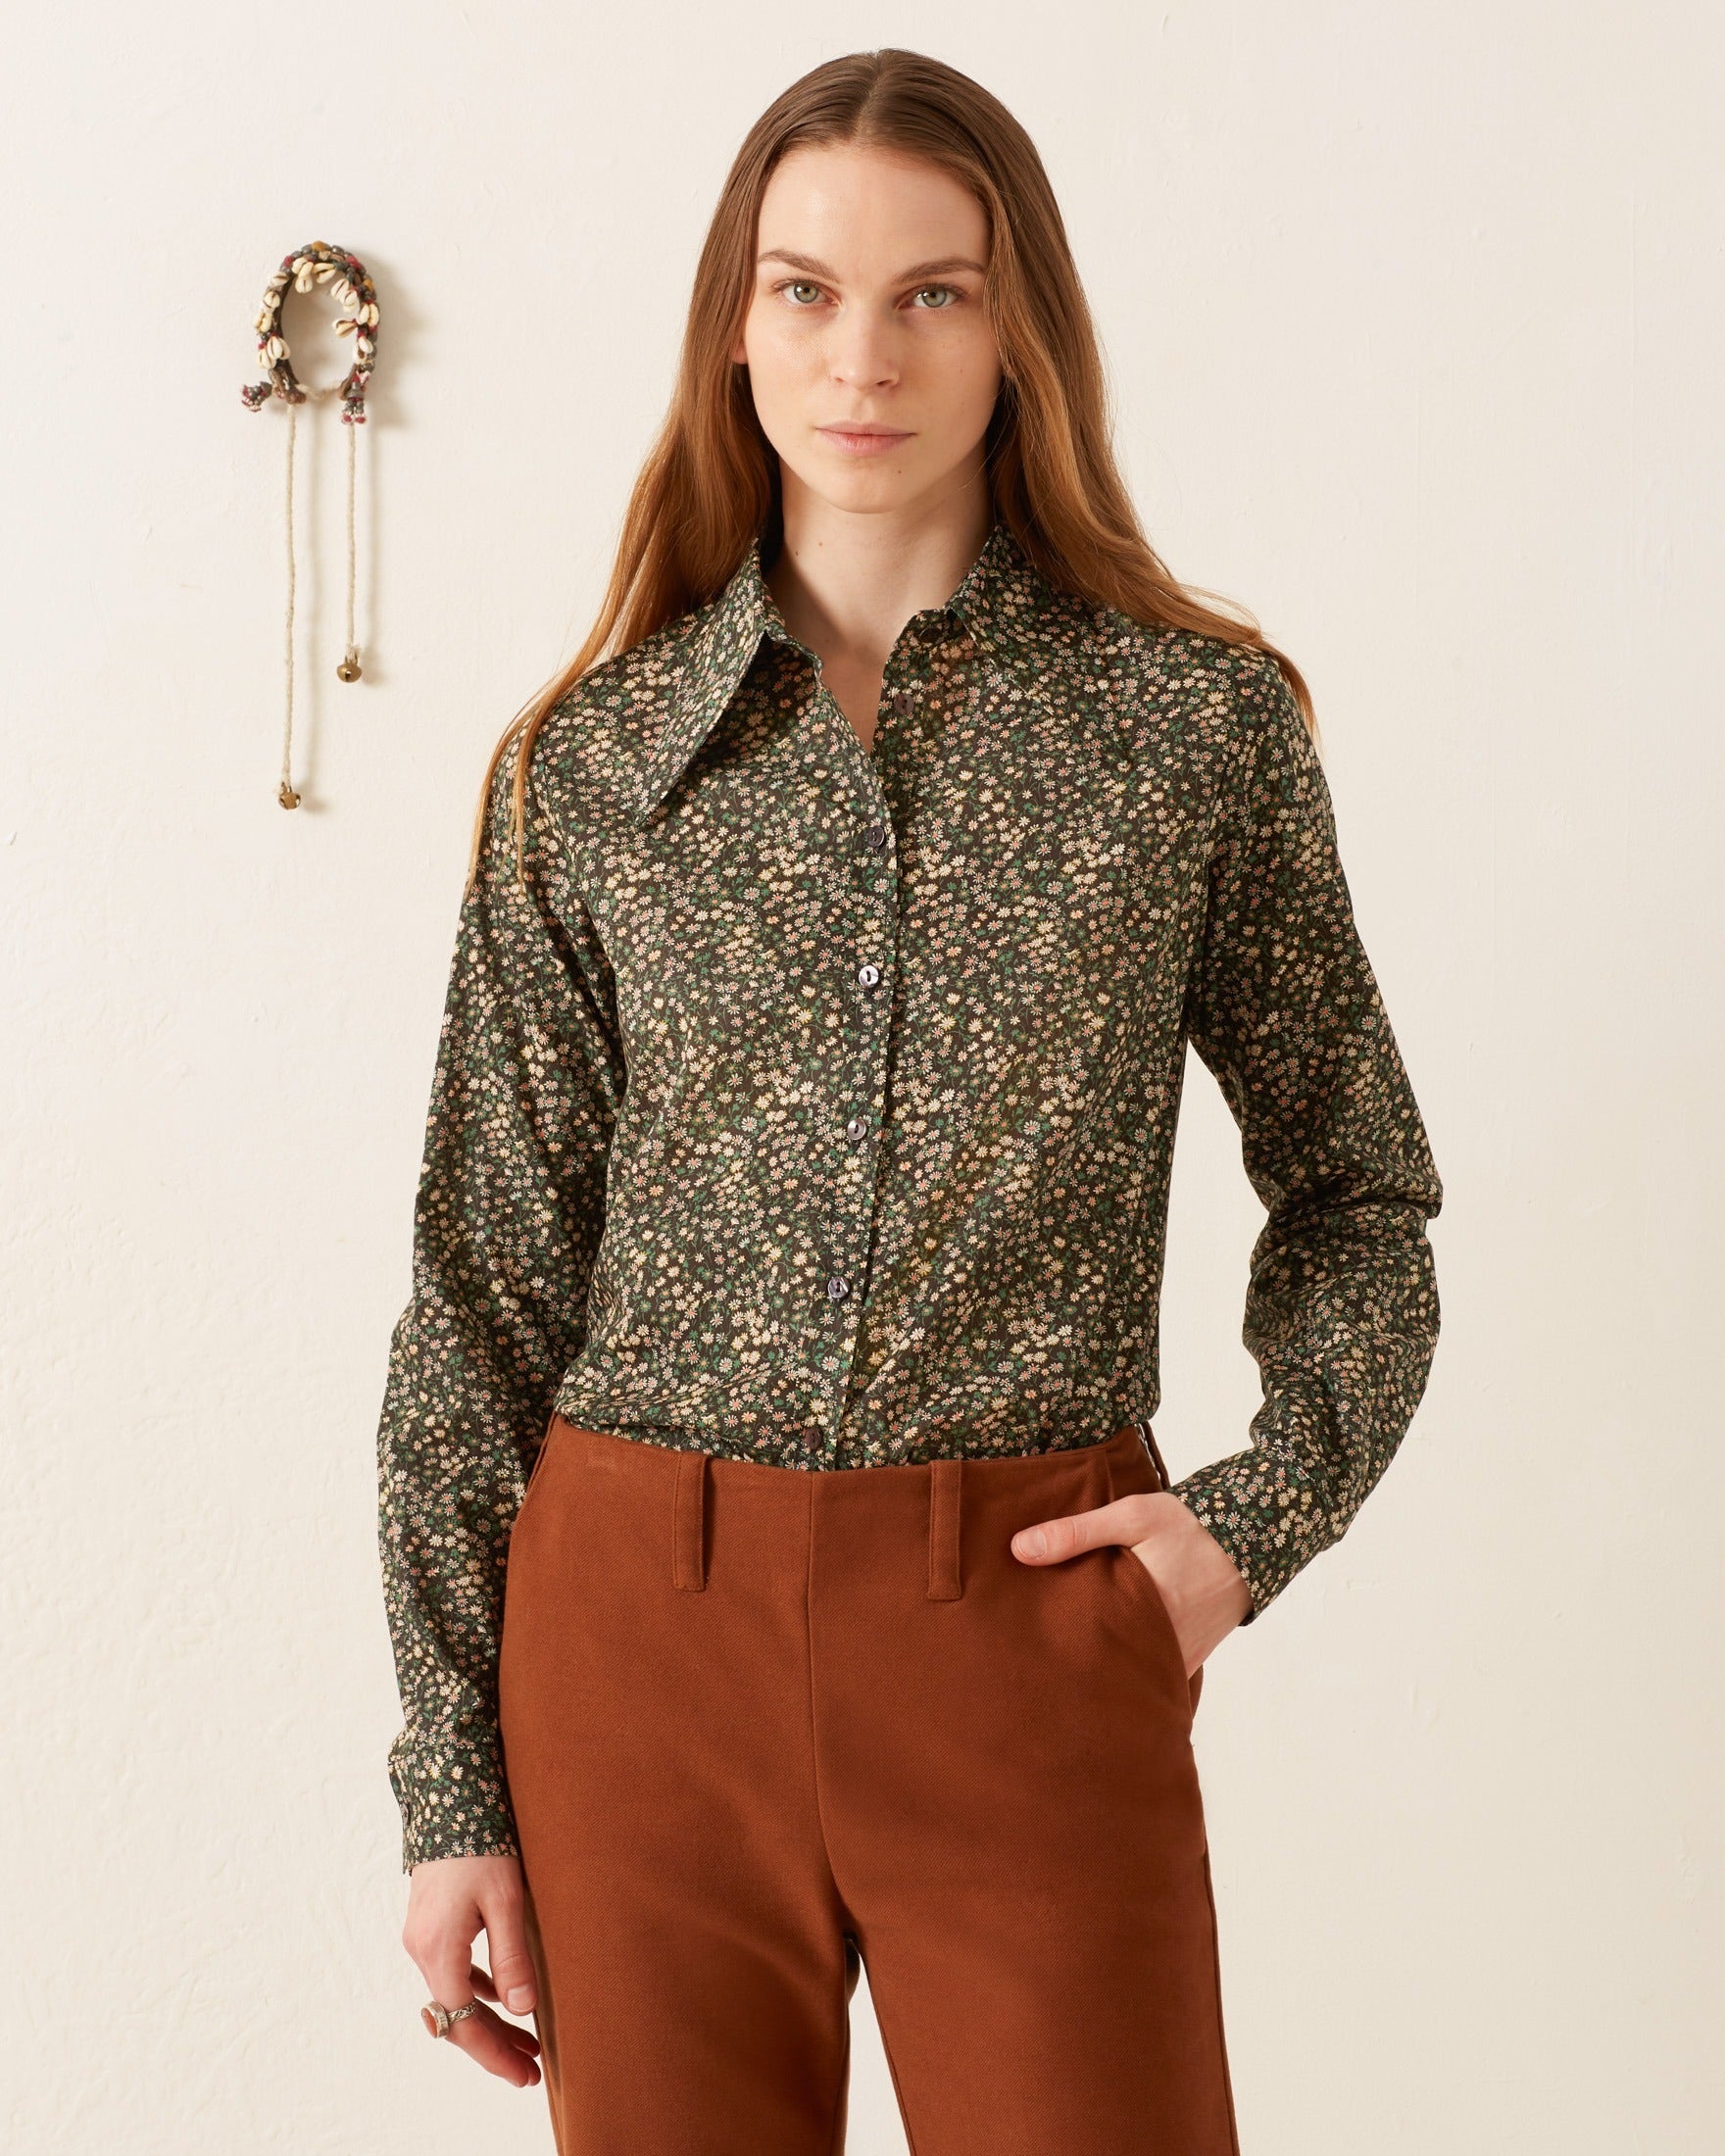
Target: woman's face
x: 867, y: 310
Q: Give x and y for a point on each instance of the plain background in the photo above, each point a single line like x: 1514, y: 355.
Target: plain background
x: 1413, y: 319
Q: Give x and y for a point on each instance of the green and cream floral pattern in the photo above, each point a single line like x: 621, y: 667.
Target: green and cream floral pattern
x: 817, y: 1105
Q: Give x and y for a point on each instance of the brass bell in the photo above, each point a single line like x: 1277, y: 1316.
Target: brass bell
x: 286, y: 795
x: 349, y: 669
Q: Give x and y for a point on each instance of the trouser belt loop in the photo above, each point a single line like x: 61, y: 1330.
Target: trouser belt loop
x: 945, y: 1485
x: 689, y: 1522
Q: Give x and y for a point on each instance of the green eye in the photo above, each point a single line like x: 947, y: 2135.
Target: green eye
x: 799, y: 285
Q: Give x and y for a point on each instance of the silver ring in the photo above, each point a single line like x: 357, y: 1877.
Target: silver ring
x: 440, y: 2020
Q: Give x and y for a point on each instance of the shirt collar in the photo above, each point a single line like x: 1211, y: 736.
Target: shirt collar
x: 1003, y: 600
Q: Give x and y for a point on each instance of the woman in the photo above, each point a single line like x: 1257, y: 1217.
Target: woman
x: 789, y: 1242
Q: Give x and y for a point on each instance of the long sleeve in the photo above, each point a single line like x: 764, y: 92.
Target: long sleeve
x: 506, y: 1223
x: 1342, y: 1301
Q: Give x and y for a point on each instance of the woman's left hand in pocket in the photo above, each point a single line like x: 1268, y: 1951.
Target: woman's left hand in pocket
x: 1204, y: 1593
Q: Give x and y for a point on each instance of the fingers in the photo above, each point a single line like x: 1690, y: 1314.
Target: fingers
x: 1125, y: 1519
x: 505, y: 1937
x: 501, y: 2047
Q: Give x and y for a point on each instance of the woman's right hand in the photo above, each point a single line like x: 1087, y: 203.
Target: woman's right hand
x: 451, y: 1900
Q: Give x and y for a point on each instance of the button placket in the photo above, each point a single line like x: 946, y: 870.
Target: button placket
x: 860, y: 1106
x: 856, y: 1205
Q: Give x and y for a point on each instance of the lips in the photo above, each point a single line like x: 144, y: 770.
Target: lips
x: 861, y: 443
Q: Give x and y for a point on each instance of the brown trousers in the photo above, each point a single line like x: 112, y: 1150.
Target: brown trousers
x: 766, y: 1725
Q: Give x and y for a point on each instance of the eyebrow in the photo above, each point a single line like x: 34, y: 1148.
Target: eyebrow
x: 817, y: 269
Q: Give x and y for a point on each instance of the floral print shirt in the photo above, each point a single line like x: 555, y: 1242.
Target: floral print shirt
x: 816, y: 1104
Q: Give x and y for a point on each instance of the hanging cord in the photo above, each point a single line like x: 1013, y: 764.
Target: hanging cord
x: 286, y: 794
x: 310, y: 266
x: 349, y: 669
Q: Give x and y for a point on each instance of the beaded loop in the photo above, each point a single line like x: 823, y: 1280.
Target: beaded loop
x: 305, y: 268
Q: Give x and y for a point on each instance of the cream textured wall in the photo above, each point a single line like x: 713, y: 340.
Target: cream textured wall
x: 1415, y: 319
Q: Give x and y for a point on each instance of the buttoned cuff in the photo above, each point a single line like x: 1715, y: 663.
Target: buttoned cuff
x: 452, y: 1803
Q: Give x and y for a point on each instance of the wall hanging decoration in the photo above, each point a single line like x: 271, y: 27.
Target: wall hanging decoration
x: 347, y: 278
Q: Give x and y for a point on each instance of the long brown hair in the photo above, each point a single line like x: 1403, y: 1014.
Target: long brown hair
x: 709, y: 483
